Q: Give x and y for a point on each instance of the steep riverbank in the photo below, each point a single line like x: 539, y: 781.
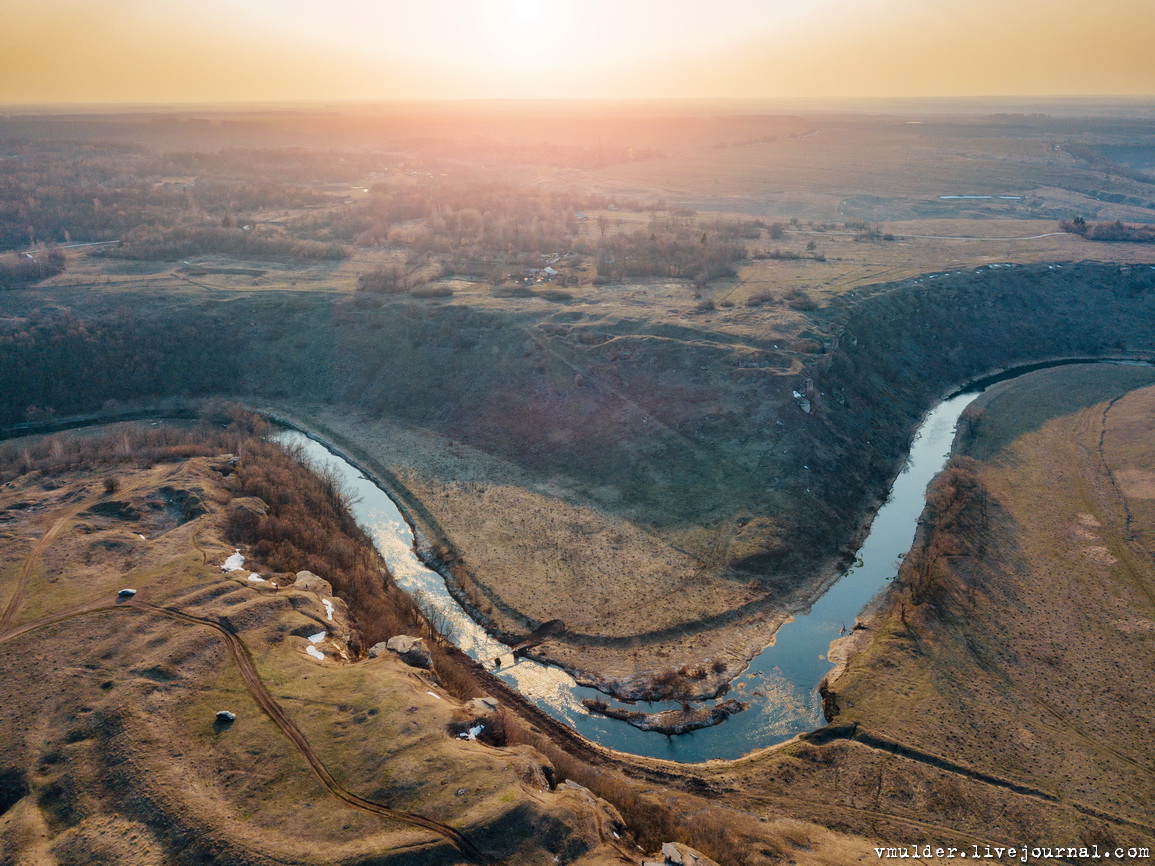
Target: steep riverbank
x: 689, y: 498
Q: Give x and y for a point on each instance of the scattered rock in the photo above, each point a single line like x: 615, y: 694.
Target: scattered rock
x: 378, y: 649
x: 412, y: 650
x: 609, y: 820
x: 671, y: 721
x: 677, y: 854
x: 176, y: 505
x: 226, y: 716
x: 226, y: 464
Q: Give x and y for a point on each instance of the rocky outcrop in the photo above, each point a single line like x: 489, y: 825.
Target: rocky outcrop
x: 249, y: 505
x: 671, y: 721
x: 310, y: 582
x: 484, y: 706
x: 412, y: 650
x: 677, y: 854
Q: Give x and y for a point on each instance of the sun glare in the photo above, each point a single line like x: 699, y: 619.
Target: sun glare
x: 519, y: 30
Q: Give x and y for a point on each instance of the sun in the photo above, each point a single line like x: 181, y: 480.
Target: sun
x: 524, y: 29
x: 525, y: 13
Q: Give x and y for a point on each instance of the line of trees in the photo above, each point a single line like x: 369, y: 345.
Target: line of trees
x: 954, y: 524
x: 61, y: 191
x: 670, y: 251
x: 467, y: 218
x: 154, y: 243
x: 1105, y: 231
x: 24, y: 271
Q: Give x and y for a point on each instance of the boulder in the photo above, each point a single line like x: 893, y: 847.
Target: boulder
x: 310, y: 582
x: 485, y: 706
x: 249, y: 505
x: 378, y: 649
x: 677, y: 854
x: 412, y: 650
x: 226, y: 464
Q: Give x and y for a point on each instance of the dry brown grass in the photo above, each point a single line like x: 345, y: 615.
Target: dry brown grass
x: 399, y: 751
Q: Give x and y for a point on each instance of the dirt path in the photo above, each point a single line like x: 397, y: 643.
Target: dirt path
x: 271, y: 708
x: 25, y: 576
x: 936, y: 237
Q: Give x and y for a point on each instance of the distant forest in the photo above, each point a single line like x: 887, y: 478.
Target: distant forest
x: 435, y: 214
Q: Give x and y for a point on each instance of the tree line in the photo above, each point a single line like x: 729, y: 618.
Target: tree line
x: 1106, y: 231
x: 155, y: 243
x: 21, y: 272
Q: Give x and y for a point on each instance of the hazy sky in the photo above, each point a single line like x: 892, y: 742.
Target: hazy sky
x: 256, y: 50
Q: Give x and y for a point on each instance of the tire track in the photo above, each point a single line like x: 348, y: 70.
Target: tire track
x: 24, y: 578
x: 893, y: 747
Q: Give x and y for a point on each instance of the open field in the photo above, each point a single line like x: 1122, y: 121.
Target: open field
x: 113, y: 753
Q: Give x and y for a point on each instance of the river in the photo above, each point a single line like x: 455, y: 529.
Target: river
x: 780, y: 683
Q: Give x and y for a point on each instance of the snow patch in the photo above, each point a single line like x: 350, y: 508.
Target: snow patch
x: 256, y: 578
x: 328, y: 608
x: 318, y: 637
x: 235, y: 562
x: 315, y: 653
x: 472, y: 733
x: 141, y: 537
x: 434, y: 695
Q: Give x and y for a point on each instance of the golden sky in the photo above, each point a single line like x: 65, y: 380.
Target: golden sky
x: 109, y: 51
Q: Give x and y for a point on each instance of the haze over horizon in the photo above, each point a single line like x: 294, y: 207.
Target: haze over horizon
x: 128, y: 51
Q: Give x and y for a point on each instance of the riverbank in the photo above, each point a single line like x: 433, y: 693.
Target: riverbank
x: 690, y: 501
x: 1014, y: 649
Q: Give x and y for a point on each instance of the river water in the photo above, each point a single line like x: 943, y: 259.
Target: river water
x: 780, y: 683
